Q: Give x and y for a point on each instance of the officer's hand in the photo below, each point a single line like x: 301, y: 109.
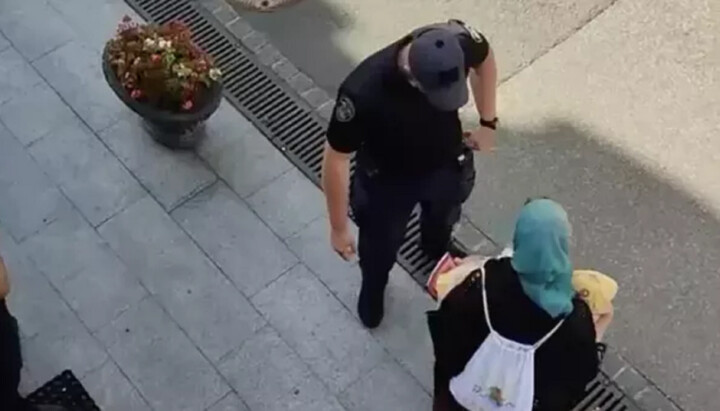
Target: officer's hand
x: 480, y: 139
x: 343, y: 243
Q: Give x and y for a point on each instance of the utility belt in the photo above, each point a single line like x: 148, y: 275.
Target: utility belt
x: 463, y: 162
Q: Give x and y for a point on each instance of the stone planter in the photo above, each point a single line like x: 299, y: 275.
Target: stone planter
x: 169, y: 128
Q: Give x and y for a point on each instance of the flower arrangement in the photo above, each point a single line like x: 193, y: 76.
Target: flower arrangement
x: 160, y: 65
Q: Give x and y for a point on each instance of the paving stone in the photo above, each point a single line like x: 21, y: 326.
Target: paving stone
x: 319, y: 328
x: 239, y: 153
x: 279, y: 379
x: 651, y: 399
x: 28, y: 383
x: 286, y: 70
x: 100, y: 294
x: 301, y: 82
x: 387, y: 387
x: 230, y: 403
x: 48, y: 354
x: 28, y: 201
x: 212, y: 5
x: 32, y: 300
x: 95, y: 31
x: 203, y: 302
x: 54, y: 339
x: 404, y: 331
x: 631, y: 382
x: 472, y: 238
x: 86, y: 171
x: 68, y: 235
x: 289, y: 203
x: 235, y: 238
x: 33, y: 27
x: 3, y: 42
x: 613, y: 364
x: 168, y: 371
x: 225, y: 14
x: 111, y: 390
x: 269, y: 55
x: 21, y: 114
x: 254, y: 41
x: 16, y: 75
x: 316, y: 97
x: 312, y: 245
x: 94, y: 282
x: 171, y: 176
x: 406, y: 303
x: 240, y: 28
x: 74, y: 71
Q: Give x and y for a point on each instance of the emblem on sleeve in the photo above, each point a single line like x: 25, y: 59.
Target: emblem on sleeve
x: 344, y: 110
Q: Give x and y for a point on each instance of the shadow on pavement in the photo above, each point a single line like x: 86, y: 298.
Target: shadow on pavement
x: 319, y: 23
x: 658, y: 241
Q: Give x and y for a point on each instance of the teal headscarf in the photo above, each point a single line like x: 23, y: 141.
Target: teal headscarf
x: 541, y: 258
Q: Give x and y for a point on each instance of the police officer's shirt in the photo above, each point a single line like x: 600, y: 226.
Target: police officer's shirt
x: 378, y: 111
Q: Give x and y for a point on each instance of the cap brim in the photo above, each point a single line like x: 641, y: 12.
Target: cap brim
x: 449, y: 98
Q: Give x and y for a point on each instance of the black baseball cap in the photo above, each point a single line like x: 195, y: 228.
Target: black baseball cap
x: 437, y: 62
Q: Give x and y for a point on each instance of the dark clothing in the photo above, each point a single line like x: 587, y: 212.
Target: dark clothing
x: 380, y: 113
x: 382, y: 205
x: 10, y: 362
x: 409, y: 153
x: 563, y: 365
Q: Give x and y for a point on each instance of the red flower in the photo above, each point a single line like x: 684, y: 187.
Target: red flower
x: 155, y: 58
x: 136, y: 94
x: 187, y: 105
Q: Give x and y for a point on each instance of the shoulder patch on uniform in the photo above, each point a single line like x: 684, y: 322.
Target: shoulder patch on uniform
x: 474, y: 34
x: 344, y: 109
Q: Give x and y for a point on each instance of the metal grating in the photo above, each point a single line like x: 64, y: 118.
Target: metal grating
x: 272, y: 106
x: 64, y: 390
x: 603, y: 395
x: 294, y: 128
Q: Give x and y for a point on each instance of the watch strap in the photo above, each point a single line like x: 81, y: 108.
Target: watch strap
x: 492, y: 124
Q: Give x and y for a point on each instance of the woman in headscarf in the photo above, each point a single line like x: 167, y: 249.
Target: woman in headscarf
x: 528, y: 294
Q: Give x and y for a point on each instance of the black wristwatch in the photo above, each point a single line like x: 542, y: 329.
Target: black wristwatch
x: 491, y: 124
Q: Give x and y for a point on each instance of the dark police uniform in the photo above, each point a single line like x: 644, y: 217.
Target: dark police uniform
x: 408, y: 153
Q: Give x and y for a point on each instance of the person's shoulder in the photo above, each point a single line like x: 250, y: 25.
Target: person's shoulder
x: 364, y: 78
x: 500, y: 269
x: 462, y: 28
x: 580, y: 324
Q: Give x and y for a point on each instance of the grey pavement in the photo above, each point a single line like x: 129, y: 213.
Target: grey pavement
x: 175, y: 280
x: 608, y: 106
x: 326, y: 38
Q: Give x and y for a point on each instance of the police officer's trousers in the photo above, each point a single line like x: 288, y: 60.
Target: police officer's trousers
x: 382, y: 205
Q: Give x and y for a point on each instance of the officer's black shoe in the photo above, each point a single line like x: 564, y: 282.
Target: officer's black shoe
x: 371, y: 306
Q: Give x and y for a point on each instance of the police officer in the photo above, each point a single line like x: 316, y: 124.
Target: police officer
x: 398, y: 110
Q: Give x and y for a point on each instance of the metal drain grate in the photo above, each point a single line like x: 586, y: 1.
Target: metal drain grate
x: 273, y: 107
x: 602, y: 394
x: 299, y: 132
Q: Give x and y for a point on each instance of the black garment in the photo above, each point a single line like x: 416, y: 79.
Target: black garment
x: 382, y: 205
x: 563, y: 365
x: 10, y: 362
x: 379, y: 112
